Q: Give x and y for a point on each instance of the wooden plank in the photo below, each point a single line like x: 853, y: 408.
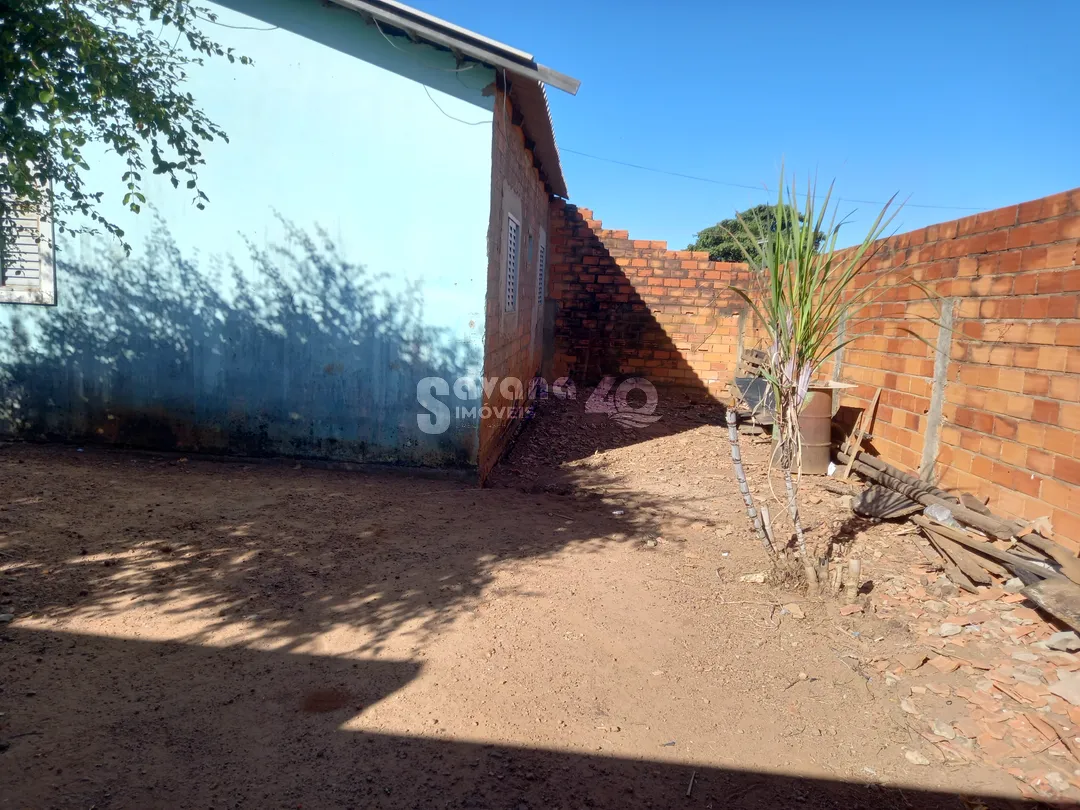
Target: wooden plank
x: 977, y: 569
x: 932, y: 555
x: 894, y: 472
x: 851, y: 459
x: 897, y: 480
x: 1058, y: 597
x: 988, y: 550
x: 860, y: 432
x: 994, y: 568
x: 1070, y: 564
x: 954, y: 573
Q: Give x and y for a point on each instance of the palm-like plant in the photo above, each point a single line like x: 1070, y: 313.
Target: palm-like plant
x: 799, y: 292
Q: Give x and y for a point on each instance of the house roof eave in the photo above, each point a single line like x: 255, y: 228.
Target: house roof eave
x: 526, y: 76
x: 435, y: 31
x: 529, y: 97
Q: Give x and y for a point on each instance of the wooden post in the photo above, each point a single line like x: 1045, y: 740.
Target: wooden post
x: 860, y: 432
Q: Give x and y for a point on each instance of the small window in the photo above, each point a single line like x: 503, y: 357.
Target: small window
x: 541, y: 269
x: 513, y: 247
x: 26, y: 267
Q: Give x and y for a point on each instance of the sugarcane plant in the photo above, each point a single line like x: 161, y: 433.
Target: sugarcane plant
x: 799, y: 291
x: 756, y: 518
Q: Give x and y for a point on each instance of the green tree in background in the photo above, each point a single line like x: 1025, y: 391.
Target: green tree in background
x: 76, y: 72
x: 723, y: 239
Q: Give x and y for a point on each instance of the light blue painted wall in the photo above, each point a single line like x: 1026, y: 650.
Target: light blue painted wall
x: 341, y: 258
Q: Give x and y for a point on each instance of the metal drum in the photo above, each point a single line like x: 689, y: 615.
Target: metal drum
x: 815, y: 425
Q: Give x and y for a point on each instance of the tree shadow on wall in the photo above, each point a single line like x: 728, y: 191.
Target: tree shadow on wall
x: 295, y: 351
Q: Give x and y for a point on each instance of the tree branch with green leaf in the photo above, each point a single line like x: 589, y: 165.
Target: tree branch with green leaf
x: 113, y: 72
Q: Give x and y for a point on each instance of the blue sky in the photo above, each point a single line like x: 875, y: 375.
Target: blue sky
x: 955, y: 103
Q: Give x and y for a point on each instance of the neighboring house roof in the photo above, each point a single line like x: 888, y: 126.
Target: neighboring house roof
x: 526, y: 76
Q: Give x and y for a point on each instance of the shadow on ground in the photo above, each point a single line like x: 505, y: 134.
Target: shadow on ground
x: 174, y: 725
x: 269, y: 552
x: 564, y: 431
x: 653, y: 473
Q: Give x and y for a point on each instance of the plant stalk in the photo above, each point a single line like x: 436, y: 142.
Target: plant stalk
x: 740, y: 476
x: 800, y: 537
x: 800, y: 289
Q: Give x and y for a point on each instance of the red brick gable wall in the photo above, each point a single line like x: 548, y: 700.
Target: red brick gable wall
x: 513, y: 343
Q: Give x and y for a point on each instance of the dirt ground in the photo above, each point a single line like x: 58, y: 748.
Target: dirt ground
x: 196, y: 633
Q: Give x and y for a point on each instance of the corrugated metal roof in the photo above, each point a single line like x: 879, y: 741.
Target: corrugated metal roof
x: 430, y: 19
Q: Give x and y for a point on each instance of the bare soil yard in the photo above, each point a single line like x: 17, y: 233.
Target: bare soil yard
x: 193, y: 633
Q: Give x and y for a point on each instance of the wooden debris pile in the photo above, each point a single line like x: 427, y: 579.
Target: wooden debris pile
x: 973, y: 546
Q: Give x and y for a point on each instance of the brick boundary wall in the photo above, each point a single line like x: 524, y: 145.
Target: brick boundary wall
x: 980, y: 383
x: 633, y: 307
x: 1009, y: 368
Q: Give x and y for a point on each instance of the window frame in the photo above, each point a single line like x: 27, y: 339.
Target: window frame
x: 44, y: 294
x: 541, y: 269
x: 512, y: 275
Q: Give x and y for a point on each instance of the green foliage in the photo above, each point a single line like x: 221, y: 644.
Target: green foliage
x: 728, y: 240
x: 75, y: 72
x: 800, y: 290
